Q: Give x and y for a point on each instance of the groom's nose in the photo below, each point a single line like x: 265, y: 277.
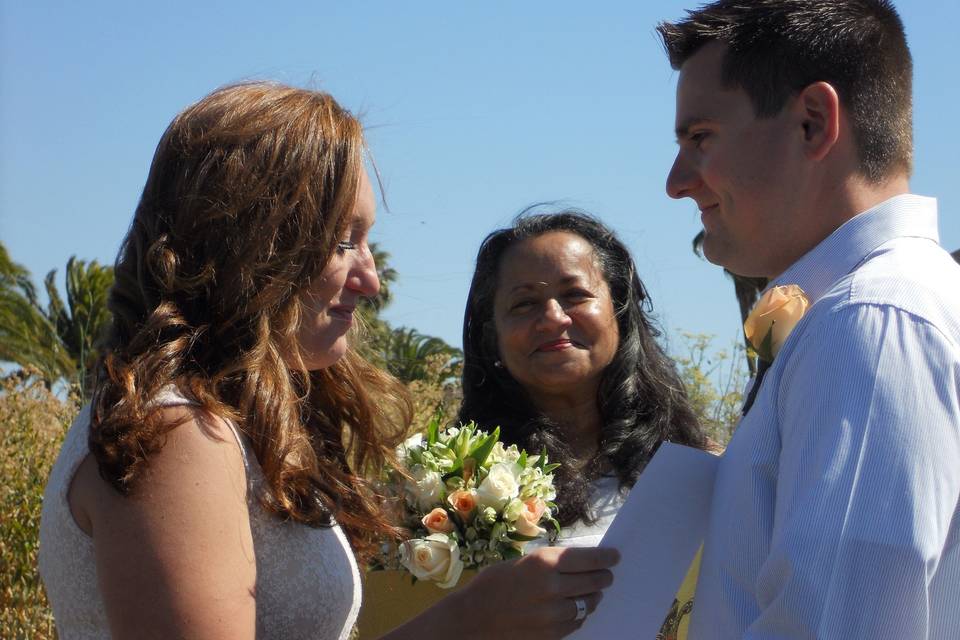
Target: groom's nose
x: 682, y: 179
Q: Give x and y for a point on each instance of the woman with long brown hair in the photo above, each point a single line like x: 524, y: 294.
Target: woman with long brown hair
x: 214, y: 488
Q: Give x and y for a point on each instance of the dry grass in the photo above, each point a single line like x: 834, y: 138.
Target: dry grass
x: 439, y: 394
x: 33, y: 422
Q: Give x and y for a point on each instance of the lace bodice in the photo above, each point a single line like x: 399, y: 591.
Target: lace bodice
x: 308, y: 585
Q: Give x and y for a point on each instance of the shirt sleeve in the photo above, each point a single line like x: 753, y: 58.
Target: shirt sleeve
x: 868, y: 480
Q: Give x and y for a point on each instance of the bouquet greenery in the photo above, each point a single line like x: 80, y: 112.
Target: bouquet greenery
x: 468, y: 502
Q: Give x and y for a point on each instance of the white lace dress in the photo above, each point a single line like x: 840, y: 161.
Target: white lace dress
x: 308, y: 585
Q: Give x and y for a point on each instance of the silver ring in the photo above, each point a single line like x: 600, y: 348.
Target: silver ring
x: 581, y: 609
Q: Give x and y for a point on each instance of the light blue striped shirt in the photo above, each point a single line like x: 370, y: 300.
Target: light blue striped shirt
x: 835, y: 512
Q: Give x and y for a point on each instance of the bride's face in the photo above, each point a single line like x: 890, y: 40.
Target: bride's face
x: 328, y: 305
x: 556, y: 329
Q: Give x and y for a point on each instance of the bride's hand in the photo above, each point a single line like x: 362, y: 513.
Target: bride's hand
x: 535, y: 596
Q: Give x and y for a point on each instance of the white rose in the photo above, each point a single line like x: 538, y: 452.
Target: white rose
x: 435, y: 558
x: 500, y: 486
x: 503, y: 454
x: 427, y: 487
x: 413, y: 442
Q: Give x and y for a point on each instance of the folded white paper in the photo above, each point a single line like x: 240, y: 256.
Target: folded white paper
x: 658, y: 531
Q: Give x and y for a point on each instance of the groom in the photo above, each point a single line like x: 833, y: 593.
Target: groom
x: 835, y: 513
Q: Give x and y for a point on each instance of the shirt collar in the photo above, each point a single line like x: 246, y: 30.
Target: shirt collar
x: 905, y: 215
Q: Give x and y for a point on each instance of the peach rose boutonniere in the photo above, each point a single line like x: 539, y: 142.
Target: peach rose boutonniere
x: 772, y: 319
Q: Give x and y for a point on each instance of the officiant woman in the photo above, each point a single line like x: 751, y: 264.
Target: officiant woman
x: 214, y: 488
x: 561, y: 352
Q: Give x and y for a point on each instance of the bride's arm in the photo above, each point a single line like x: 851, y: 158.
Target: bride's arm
x: 175, y: 559
x: 533, y: 597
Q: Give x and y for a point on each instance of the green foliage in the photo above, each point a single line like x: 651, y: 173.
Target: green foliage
x: 387, y: 276
x: 27, y: 336
x: 402, y: 351
x: 33, y: 422
x: 714, y: 381
x: 57, y: 340
x: 405, y: 351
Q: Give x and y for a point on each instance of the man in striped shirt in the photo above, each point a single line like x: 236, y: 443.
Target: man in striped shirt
x: 835, y: 512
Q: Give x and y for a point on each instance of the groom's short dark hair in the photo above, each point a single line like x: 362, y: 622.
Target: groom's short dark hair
x: 775, y: 48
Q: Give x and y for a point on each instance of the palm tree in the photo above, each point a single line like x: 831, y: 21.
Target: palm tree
x: 59, y: 339
x: 406, y: 352
x: 403, y: 352
x: 387, y: 276
x: 27, y: 337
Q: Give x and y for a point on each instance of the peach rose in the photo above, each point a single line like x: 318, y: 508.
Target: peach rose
x: 437, y: 521
x: 527, y: 523
x: 463, y: 502
x: 776, y: 314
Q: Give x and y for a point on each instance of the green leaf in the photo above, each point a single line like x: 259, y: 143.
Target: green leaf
x: 433, y: 431
x: 765, y: 352
x: 462, y: 445
x: 481, y: 452
x: 518, y: 537
x: 510, y: 552
x: 543, y: 457
x: 556, y: 529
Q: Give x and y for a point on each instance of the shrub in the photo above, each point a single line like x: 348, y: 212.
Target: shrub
x: 33, y: 421
x: 714, y: 381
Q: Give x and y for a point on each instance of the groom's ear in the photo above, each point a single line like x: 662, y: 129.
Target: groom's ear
x: 819, y: 111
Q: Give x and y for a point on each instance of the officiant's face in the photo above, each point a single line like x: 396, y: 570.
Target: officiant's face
x: 742, y: 171
x: 556, y: 329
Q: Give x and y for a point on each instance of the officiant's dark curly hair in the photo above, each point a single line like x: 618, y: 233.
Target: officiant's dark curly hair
x: 641, y: 398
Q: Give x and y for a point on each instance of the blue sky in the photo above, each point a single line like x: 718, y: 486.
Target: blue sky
x: 473, y: 110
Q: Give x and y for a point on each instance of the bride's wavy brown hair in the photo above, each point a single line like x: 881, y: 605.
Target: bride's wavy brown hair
x: 249, y: 192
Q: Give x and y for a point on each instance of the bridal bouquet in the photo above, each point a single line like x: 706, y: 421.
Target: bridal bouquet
x: 468, y: 501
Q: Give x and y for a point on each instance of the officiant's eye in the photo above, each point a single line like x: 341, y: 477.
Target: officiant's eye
x: 345, y: 245
x: 578, y: 295
x: 521, y: 305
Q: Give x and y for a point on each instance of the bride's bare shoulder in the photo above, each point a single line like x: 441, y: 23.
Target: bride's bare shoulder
x: 178, y: 547
x: 200, y: 456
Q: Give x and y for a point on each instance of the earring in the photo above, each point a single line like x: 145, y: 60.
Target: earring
x: 498, y: 364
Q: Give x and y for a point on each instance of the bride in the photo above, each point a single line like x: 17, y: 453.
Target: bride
x: 560, y: 352
x: 214, y: 487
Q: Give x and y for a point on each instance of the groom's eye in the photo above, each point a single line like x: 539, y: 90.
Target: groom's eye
x: 698, y: 137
